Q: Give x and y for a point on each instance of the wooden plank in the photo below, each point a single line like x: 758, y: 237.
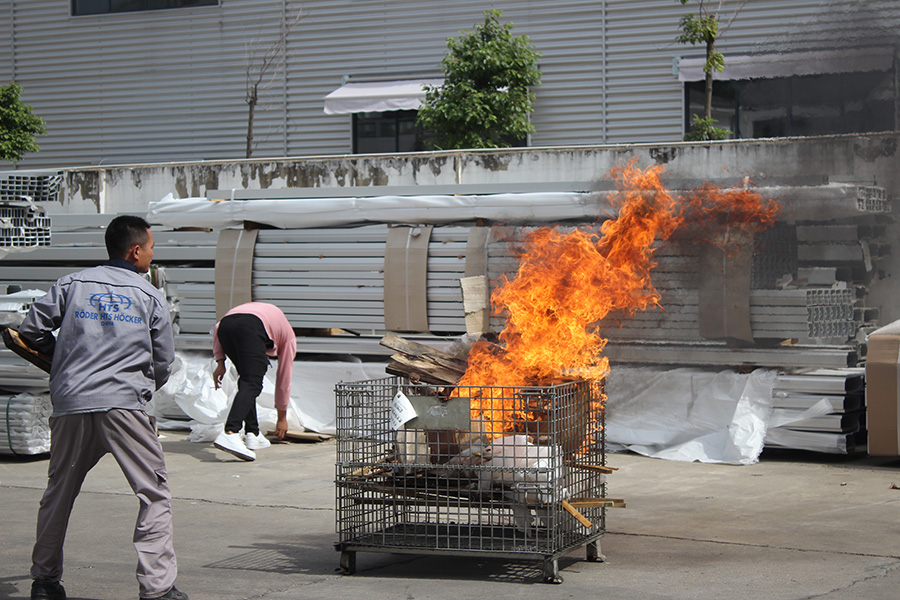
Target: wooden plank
x: 418, y: 350
x: 575, y: 513
x: 304, y: 436
x: 598, y: 468
x: 417, y: 369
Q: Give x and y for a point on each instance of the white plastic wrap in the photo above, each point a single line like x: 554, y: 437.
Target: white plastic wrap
x: 296, y: 213
x: 24, y: 425
x: 189, y: 399
x: 689, y: 414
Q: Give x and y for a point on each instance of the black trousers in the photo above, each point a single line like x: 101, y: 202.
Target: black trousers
x: 245, y: 341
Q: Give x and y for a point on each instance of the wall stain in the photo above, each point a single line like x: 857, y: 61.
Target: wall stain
x: 85, y: 184
x: 303, y: 175
x: 377, y: 176
x: 493, y: 162
x: 340, y: 174
x: 885, y: 148
x: 211, y: 178
x: 663, y: 156
x: 181, y: 188
x: 255, y: 172
x: 436, y: 165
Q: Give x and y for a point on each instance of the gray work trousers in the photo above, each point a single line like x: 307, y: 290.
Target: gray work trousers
x: 77, y: 442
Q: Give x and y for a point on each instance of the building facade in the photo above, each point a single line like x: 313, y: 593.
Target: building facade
x: 142, y: 81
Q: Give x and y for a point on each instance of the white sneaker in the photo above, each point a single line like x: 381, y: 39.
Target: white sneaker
x: 256, y: 442
x: 233, y: 444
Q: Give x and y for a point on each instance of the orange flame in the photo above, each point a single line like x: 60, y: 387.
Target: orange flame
x: 725, y: 217
x: 568, y: 280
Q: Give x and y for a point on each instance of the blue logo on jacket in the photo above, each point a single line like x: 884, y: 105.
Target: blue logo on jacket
x: 109, y: 302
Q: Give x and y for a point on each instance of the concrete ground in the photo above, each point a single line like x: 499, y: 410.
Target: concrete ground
x: 793, y: 526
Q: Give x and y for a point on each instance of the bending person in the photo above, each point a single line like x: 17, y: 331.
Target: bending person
x: 248, y: 335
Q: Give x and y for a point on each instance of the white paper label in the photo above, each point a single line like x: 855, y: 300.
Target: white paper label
x: 401, y: 410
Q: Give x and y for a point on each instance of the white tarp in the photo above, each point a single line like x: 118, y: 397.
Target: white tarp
x: 676, y: 414
x: 190, y: 393
x: 378, y: 96
x: 689, y: 414
x: 300, y: 213
x: 14, y: 306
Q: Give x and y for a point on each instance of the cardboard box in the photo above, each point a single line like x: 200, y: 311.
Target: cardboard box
x: 882, y: 390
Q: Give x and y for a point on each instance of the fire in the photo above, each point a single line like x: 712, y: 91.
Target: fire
x: 569, y: 279
x: 725, y: 218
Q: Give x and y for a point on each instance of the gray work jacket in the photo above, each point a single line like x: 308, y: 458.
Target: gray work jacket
x: 114, y: 347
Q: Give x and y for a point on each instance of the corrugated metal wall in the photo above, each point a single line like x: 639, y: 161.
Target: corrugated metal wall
x: 169, y: 85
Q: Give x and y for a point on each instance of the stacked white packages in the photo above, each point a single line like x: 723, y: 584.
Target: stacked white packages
x: 24, y: 423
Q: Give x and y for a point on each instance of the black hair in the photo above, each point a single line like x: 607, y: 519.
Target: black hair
x: 123, y: 233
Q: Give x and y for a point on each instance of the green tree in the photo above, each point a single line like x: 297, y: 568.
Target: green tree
x: 18, y: 124
x: 704, y: 27
x: 486, y: 98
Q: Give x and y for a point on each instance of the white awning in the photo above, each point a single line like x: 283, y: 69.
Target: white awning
x: 790, y: 64
x: 378, y: 96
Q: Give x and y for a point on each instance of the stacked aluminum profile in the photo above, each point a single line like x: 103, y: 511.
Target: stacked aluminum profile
x: 36, y: 186
x: 23, y: 226
x: 22, y: 222
x: 820, y: 410
x: 873, y: 199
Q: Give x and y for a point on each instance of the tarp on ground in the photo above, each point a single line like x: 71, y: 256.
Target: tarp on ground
x: 686, y: 414
x: 189, y: 399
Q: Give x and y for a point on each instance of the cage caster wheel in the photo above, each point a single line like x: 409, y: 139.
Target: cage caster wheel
x: 348, y: 562
x: 592, y: 553
x: 551, y: 571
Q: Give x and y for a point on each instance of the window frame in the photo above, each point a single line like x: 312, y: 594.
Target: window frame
x: 731, y: 97
x: 74, y: 12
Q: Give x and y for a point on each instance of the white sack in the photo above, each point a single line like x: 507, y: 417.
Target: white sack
x: 527, y: 468
x: 689, y: 414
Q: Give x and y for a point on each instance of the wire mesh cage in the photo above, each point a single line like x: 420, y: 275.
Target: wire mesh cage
x: 516, y: 472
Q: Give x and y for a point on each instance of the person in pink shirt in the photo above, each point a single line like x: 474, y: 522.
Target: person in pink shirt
x: 248, y: 335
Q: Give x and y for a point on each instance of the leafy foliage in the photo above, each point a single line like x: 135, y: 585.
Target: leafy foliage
x: 704, y: 28
x: 18, y: 124
x: 703, y: 129
x: 486, y: 98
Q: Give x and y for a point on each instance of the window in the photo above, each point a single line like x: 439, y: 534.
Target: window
x: 820, y: 104
x: 102, y: 7
x: 391, y: 131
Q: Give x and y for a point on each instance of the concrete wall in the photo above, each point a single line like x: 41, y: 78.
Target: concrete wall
x: 870, y: 159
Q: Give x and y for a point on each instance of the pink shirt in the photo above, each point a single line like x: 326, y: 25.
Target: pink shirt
x: 279, y: 331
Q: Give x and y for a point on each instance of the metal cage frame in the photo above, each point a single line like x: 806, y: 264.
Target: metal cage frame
x: 520, y: 476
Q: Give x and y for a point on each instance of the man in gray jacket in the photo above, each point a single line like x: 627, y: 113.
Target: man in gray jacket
x: 114, y: 348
